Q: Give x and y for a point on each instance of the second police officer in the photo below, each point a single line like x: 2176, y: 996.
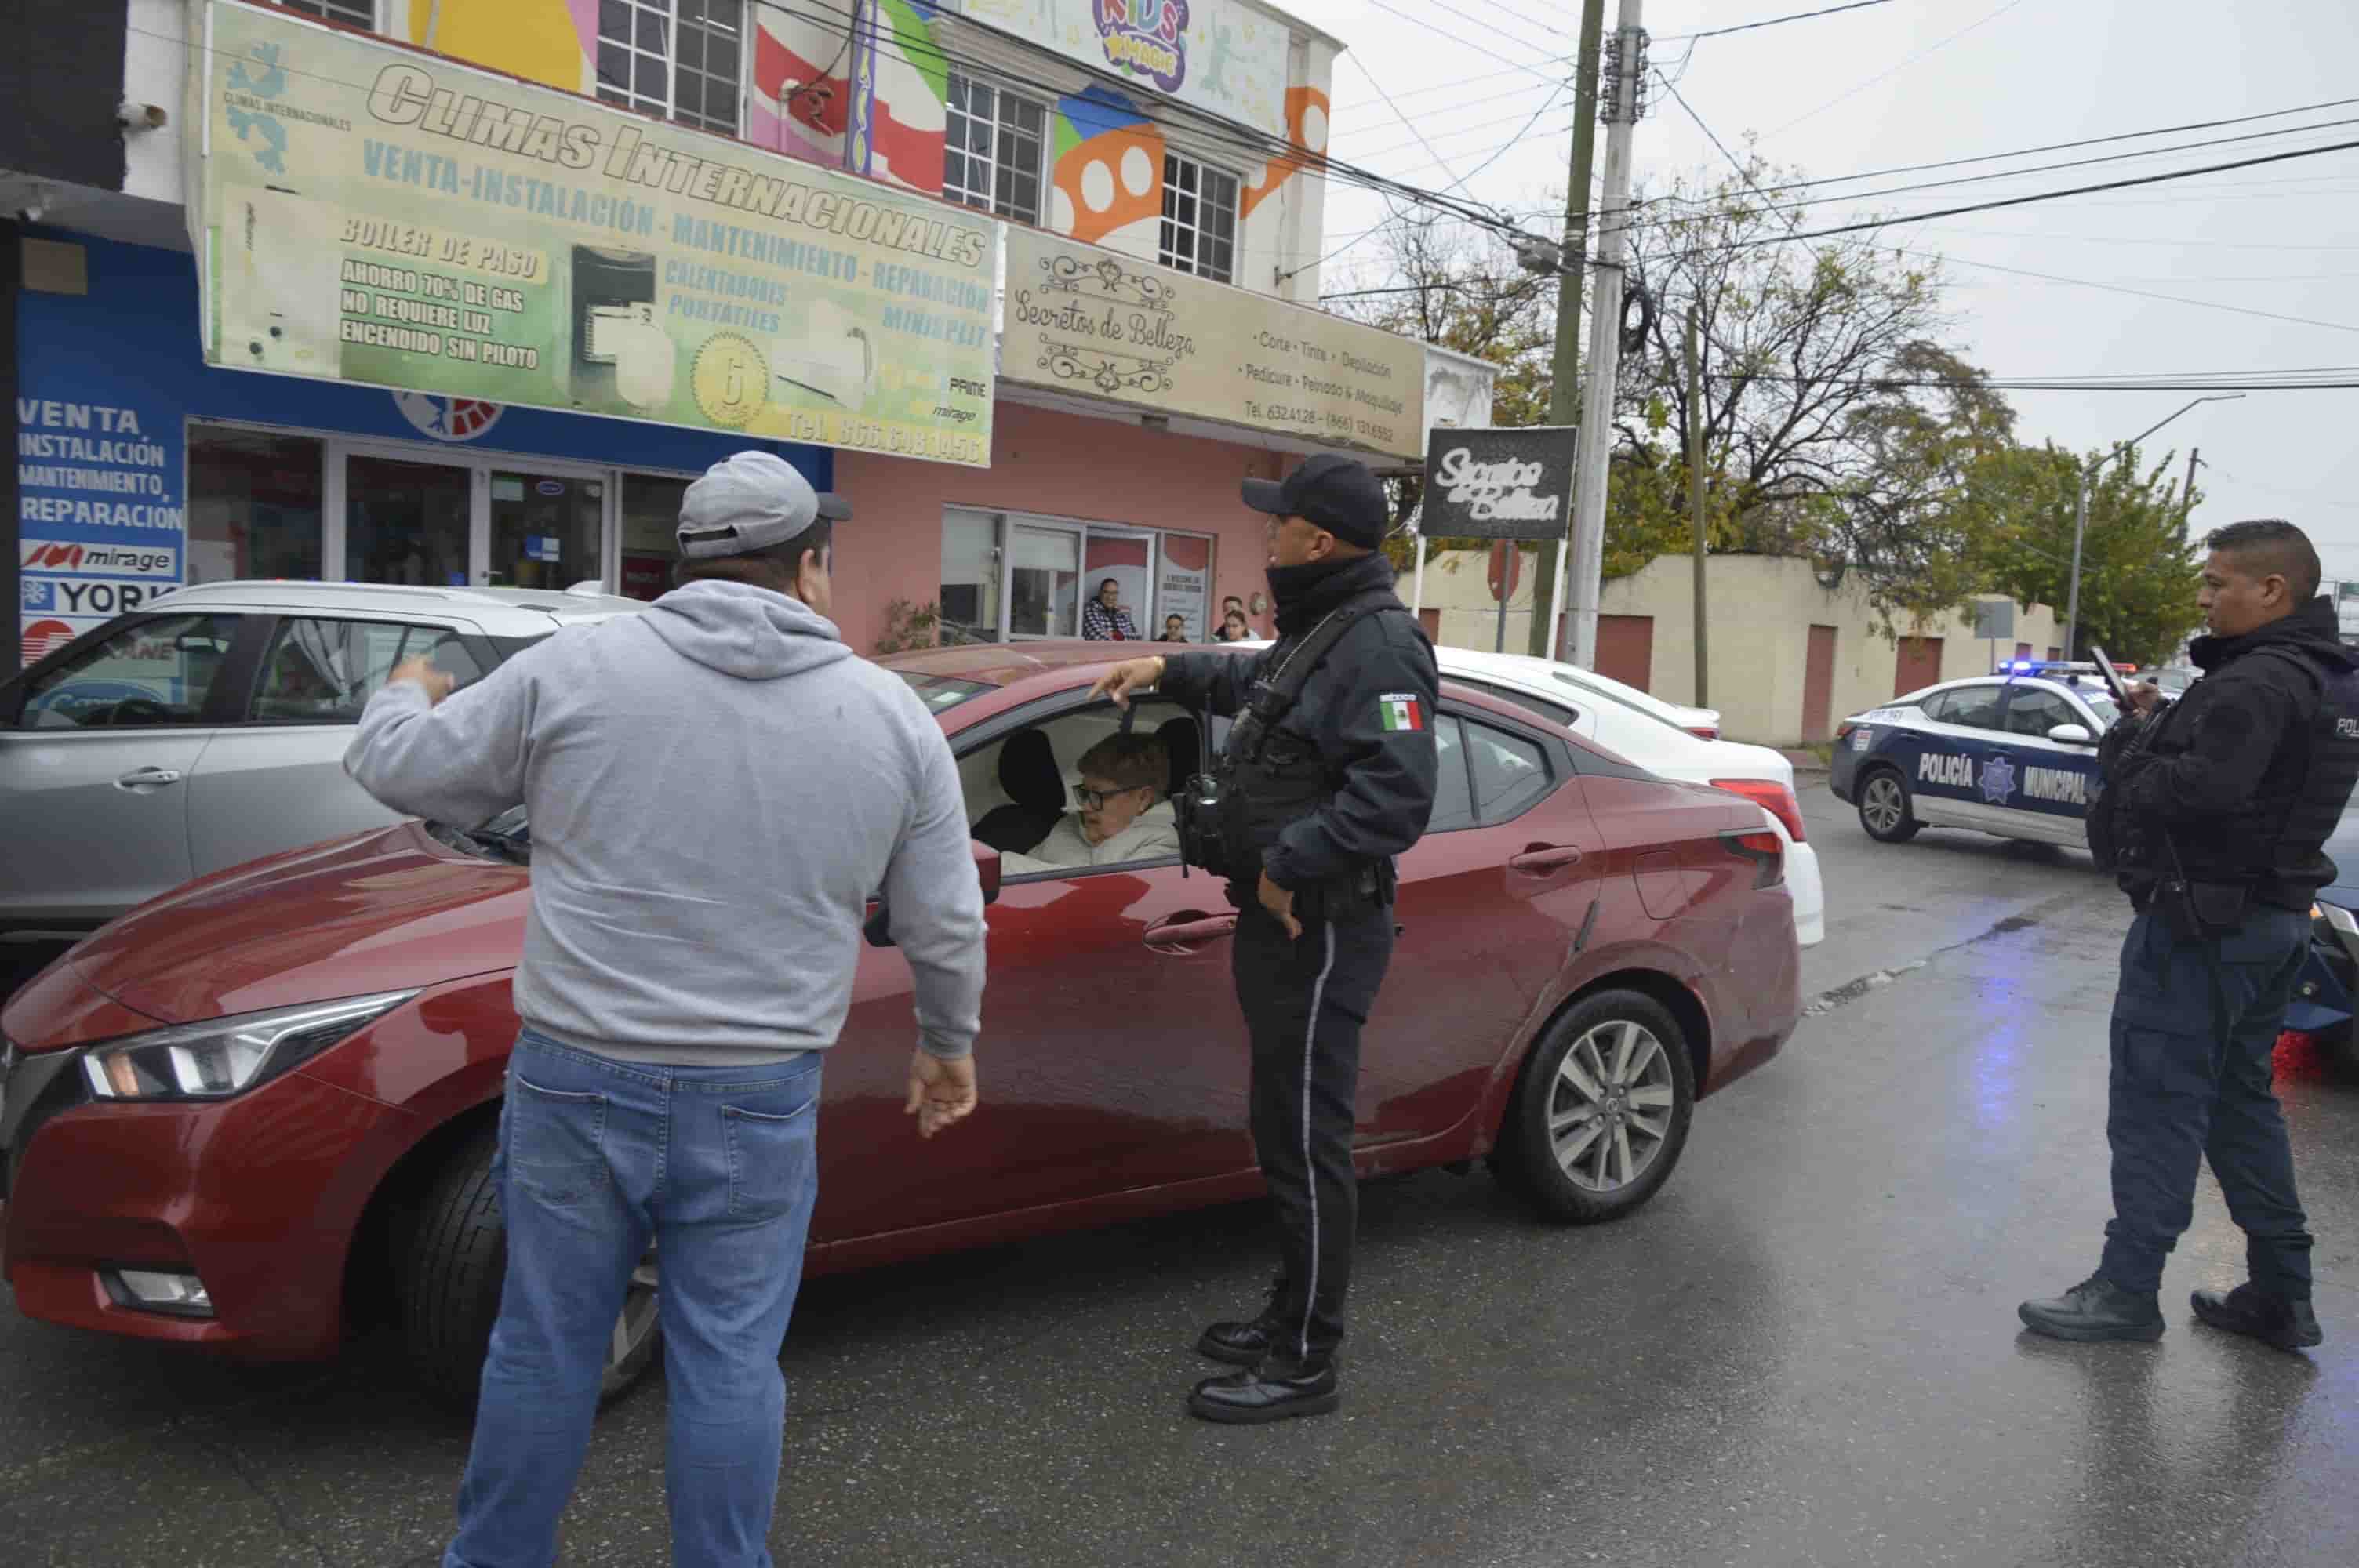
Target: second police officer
x: 1328, y: 773
x: 2214, y: 813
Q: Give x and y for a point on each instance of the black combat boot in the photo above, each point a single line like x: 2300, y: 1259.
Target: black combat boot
x: 1283, y: 1386
x: 2097, y: 1308
x: 2251, y: 1311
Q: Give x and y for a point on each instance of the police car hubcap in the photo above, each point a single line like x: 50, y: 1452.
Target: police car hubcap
x: 1883, y: 803
x: 1609, y: 1108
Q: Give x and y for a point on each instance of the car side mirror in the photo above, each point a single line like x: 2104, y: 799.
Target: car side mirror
x: 2071, y: 734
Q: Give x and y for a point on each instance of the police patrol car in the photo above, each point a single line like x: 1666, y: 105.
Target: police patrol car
x: 2014, y: 754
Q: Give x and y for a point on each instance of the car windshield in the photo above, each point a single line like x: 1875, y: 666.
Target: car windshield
x: 1599, y: 694
x: 507, y: 837
x: 941, y: 693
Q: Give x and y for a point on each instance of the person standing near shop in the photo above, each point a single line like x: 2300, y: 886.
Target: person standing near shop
x: 1105, y: 619
x: 1329, y: 773
x: 716, y: 786
x: 2214, y: 813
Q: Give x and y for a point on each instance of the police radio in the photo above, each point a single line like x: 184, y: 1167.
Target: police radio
x: 1197, y: 809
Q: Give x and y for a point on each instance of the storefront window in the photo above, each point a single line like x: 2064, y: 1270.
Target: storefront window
x: 404, y: 522
x: 1044, y: 580
x: 546, y: 530
x: 650, y: 533
x: 254, y: 504
x: 970, y: 604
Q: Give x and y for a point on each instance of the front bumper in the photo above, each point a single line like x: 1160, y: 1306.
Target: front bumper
x: 259, y: 1197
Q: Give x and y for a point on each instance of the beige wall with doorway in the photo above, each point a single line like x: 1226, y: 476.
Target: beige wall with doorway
x: 1760, y: 610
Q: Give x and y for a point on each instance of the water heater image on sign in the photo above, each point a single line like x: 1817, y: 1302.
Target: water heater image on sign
x: 281, y: 310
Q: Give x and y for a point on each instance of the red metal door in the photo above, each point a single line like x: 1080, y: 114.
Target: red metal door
x: 1626, y: 649
x: 1819, y: 684
x: 1917, y: 666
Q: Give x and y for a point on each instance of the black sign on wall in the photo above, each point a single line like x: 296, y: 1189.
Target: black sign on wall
x: 1498, y: 485
x: 60, y: 81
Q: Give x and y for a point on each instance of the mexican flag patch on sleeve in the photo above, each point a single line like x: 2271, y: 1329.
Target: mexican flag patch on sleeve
x: 1400, y: 710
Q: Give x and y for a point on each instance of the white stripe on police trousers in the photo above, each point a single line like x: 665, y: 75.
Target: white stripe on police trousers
x: 1310, y: 1172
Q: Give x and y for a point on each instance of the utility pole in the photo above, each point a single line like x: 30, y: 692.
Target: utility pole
x: 1564, y: 394
x: 1695, y: 501
x: 2187, y: 492
x: 1588, y: 546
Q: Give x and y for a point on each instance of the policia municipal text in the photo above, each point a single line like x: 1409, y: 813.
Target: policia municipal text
x: 1328, y: 773
x: 2214, y: 811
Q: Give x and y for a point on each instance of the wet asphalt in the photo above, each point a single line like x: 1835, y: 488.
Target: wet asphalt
x: 1803, y: 1352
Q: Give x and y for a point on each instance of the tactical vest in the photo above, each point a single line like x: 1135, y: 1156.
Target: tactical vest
x: 2308, y: 815
x: 1269, y: 776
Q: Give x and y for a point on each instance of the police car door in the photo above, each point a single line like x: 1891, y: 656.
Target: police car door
x: 1956, y: 747
x: 2049, y: 782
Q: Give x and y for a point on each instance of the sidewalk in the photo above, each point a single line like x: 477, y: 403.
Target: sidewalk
x: 1805, y: 763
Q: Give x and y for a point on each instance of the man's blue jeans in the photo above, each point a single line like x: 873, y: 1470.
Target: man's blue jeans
x: 718, y: 1165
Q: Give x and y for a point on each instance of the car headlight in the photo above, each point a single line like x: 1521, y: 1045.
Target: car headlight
x: 224, y: 1056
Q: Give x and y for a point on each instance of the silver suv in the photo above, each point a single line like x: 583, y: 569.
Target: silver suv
x: 208, y: 727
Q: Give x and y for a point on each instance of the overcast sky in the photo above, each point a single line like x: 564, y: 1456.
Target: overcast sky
x: 1880, y: 87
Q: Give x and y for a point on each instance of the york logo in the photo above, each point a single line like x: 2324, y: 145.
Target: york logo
x: 101, y: 598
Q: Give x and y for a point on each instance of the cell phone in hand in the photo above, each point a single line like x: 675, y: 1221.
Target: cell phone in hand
x: 2113, y: 678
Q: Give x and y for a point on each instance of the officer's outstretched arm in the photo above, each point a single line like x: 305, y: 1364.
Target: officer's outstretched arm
x: 1220, y: 682
x: 1376, y: 725
x: 2235, y: 734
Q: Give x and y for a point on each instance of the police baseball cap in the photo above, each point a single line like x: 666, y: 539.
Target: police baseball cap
x: 749, y: 502
x: 1336, y: 493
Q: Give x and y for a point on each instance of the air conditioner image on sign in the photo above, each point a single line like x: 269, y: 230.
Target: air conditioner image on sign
x: 621, y: 354
x: 832, y: 358
x: 281, y: 297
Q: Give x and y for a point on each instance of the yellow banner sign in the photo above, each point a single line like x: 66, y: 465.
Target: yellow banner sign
x: 369, y: 214
x: 1088, y: 321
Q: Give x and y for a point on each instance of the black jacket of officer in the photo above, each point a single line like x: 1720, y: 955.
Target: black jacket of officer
x: 2246, y: 776
x: 1378, y: 678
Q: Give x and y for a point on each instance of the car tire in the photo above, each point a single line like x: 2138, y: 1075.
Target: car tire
x: 1884, y: 806
x: 1577, y: 1150
x: 447, y: 1282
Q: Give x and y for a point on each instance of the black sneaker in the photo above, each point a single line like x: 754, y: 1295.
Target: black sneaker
x: 2258, y: 1315
x: 2097, y: 1308
x: 1238, y: 1342
x: 1282, y: 1387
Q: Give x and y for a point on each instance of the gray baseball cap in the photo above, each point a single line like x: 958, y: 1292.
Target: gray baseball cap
x: 747, y: 502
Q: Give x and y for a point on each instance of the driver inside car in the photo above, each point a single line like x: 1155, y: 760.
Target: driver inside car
x: 1124, y: 816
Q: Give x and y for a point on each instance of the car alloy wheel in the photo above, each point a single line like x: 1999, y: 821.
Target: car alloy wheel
x: 1602, y: 1108
x: 630, y: 1346
x: 1609, y: 1112
x: 1884, y: 808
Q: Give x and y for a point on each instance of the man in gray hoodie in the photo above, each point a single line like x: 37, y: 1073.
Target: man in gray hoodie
x: 716, y: 787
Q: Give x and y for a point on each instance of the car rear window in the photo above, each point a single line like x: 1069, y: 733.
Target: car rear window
x: 941, y: 693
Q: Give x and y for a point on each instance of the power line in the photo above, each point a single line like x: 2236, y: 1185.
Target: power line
x: 1453, y: 37
x: 2140, y: 293
x: 1921, y: 54
x: 1773, y: 22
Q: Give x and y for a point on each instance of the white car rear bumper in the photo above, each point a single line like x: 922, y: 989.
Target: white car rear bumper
x: 1810, y: 894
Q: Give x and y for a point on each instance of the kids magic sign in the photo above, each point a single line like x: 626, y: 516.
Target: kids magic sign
x: 1146, y: 37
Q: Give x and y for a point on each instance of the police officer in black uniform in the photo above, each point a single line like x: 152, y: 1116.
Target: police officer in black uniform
x: 2214, y: 812
x: 1316, y: 797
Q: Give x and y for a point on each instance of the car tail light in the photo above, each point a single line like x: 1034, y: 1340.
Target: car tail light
x: 1704, y: 731
x: 1764, y: 849
x: 1843, y: 731
x: 1771, y: 797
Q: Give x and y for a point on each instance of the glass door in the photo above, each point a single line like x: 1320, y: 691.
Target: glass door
x: 547, y: 530
x: 407, y: 522
x: 1044, y: 577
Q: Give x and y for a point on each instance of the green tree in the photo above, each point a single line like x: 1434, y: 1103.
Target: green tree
x: 2138, y: 570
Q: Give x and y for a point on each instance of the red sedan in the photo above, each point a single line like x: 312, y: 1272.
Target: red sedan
x: 261, y: 1110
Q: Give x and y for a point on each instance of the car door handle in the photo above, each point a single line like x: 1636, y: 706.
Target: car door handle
x: 148, y: 778
x: 1181, y: 933
x: 1537, y: 859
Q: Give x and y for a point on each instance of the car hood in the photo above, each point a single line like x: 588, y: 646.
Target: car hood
x: 2343, y: 850
x: 385, y: 910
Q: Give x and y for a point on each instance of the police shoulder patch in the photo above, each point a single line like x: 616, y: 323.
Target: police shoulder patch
x: 1400, y: 710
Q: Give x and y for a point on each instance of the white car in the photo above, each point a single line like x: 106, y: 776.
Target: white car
x: 1663, y: 739
x: 208, y: 727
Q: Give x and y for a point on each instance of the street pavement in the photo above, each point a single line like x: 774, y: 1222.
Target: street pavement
x: 1803, y: 1352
